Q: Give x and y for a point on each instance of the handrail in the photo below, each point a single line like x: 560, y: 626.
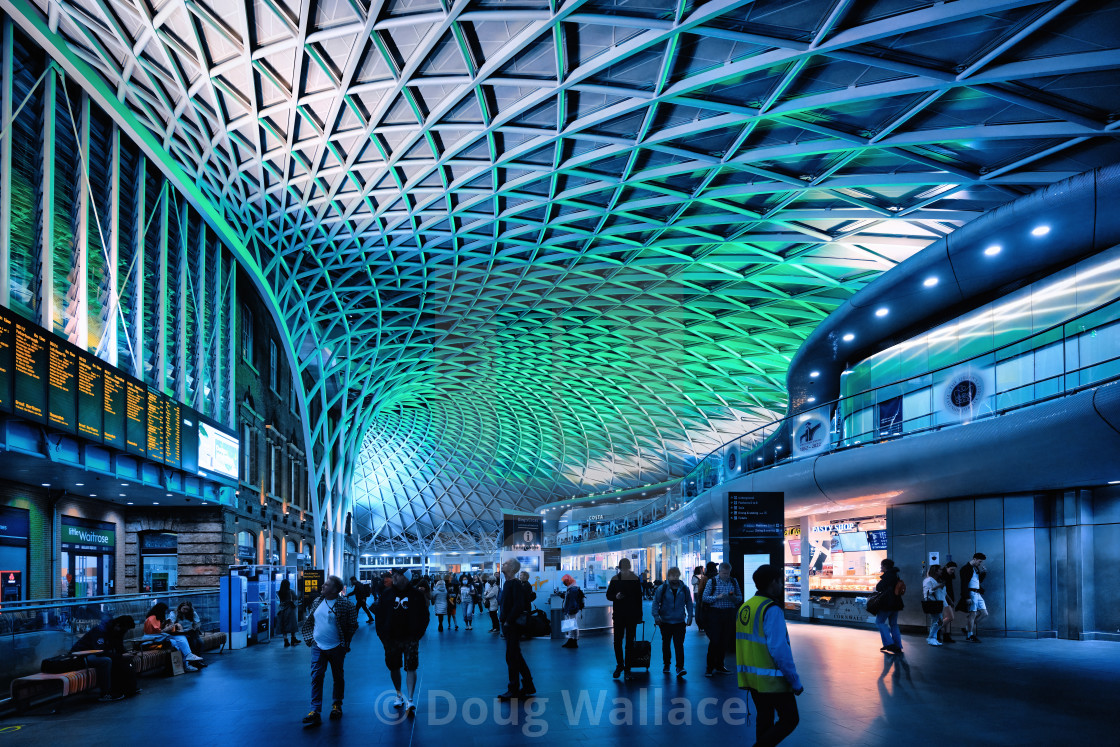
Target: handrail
x: 29, y: 605
x: 775, y: 426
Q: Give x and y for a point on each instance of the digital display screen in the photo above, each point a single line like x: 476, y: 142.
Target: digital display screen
x: 217, y: 451
x: 135, y: 418
x: 155, y: 435
x: 48, y: 380
x: 62, y: 387
x: 31, y: 372
x: 854, y: 542
x: 172, y: 433
x: 91, y: 398
x: 6, y: 342
x: 877, y: 539
x: 113, y: 411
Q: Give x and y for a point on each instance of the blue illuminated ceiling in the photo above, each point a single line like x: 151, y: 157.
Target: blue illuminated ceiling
x: 565, y: 247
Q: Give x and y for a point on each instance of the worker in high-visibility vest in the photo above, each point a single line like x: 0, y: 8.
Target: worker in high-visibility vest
x: 765, y: 661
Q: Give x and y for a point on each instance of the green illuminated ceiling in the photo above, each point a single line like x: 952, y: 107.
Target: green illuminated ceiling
x: 570, y: 247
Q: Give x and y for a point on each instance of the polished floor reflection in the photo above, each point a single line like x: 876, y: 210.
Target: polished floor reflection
x: 999, y: 692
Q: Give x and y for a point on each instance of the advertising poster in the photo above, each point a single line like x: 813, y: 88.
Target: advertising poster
x: 810, y: 433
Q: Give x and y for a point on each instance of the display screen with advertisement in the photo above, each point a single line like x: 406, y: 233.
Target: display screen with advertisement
x: 877, y: 539
x: 522, y: 531
x: 854, y: 541
x: 218, y: 451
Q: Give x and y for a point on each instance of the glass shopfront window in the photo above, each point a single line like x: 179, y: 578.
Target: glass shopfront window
x: 15, y: 529
x: 159, y: 561
x: 88, y: 557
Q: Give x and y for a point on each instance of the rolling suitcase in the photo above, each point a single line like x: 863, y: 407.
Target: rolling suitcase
x: 640, y: 652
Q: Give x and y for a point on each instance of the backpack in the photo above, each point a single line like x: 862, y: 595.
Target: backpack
x: 899, y: 588
x: 580, y: 596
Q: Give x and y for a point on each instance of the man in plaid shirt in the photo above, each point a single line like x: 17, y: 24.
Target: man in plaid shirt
x: 722, y: 598
x: 330, y: 624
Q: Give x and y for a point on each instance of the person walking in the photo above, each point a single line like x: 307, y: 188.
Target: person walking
x: 573, y: 605
x: 972, y: 595
x: 467, y: 604
x: 513, y: 615
x: 948, y: 576
x: 491, y: 600
x: 402, y: 619
x: 672, y: 613
x: 722, y: 596
x: 360, y: 592
x: 625, y: 592
x: 439, y: 602
x: 330, y: 624
x: 887, y: 618
x: 764, y: 659
x: 452, y: 600
x: 933, y: 602
x: 286, y: 623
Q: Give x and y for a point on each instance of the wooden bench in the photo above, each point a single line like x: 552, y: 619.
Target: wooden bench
x: 36, y: 689
x: 158, y: 660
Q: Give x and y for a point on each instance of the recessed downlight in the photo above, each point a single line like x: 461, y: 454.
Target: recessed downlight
x: 1040, y: 230
x: 930, y: 281
x: 882, y: 311
x: 130, y: 503
x: 814, y: 374
x: 811, y: 400
x: 848, y: 337
x: 993, y: 250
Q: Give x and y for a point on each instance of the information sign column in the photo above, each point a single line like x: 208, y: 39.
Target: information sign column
x: 755, y: 534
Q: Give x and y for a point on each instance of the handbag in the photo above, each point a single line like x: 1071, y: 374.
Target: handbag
x: 932, y: 606
x: 568, y: 625
x: 875, y: 603
x: 62, y: 664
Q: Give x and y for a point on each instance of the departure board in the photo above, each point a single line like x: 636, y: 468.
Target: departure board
x: 31, y: 372
x: 62, y: 386
x: 135, y: 418
x: 113, y: 412
x: 7, y: 330
x: 172, y: 433
x: 91, y: 401
x: 46, y: 379
x: 155, y: 433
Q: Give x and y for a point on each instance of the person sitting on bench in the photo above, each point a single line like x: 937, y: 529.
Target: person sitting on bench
x: 158, y: 630
x: 114, y: 673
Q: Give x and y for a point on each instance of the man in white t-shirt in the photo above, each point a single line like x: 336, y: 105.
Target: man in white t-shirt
x: 330, y: 624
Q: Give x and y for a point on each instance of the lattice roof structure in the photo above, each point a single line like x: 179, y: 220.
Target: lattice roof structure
x: 529, y: 249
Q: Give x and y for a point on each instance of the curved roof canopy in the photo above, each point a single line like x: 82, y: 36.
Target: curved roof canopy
x: 571, y: 246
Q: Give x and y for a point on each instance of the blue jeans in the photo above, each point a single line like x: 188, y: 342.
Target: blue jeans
x: 888, y: 628
x: 319, y: 661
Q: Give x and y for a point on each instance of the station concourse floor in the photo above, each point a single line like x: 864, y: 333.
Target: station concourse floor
x: 997, y: 692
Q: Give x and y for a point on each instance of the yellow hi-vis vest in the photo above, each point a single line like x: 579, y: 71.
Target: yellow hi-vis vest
x: 756, y: 668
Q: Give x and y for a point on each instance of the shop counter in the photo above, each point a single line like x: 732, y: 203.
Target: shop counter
x: 597, y: 612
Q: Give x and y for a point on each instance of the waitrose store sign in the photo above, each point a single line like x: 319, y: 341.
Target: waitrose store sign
x: 86, y: 537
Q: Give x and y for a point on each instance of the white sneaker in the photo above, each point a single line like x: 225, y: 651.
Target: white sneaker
x: 411, y: 707
x: 190, y: 667
x: 933, y: 642
x: 194, y: 657
x: 399, y: 702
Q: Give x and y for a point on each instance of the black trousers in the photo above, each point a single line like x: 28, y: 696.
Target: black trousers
x: 719, y: 624
x: 627, y: 631
x: 519, y: 674
x: 785, y: 706
x: 672, y: 632
x: 494, y: 620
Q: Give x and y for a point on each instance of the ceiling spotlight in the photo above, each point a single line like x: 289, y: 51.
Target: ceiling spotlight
x: 1040, y: 230
x: 46, y: 485
x: 122, y: 495
x: 814, y: 374
x: 811, y: 400
x: 130, y: 503
x: 930, y: 281
x: 155, y: 503
x: 80, y: 484
x: 882, y: 311
x: 848, y: 337
x: 993, y: 250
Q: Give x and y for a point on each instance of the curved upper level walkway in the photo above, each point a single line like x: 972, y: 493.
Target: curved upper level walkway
x: 999, y: 692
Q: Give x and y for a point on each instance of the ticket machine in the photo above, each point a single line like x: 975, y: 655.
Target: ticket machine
x: 233, y: 609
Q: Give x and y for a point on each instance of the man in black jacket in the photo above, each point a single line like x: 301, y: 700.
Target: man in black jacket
x: 361, y: 592
x: 402, y: 619
x: 513, y: 610
x: 114, y: 673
